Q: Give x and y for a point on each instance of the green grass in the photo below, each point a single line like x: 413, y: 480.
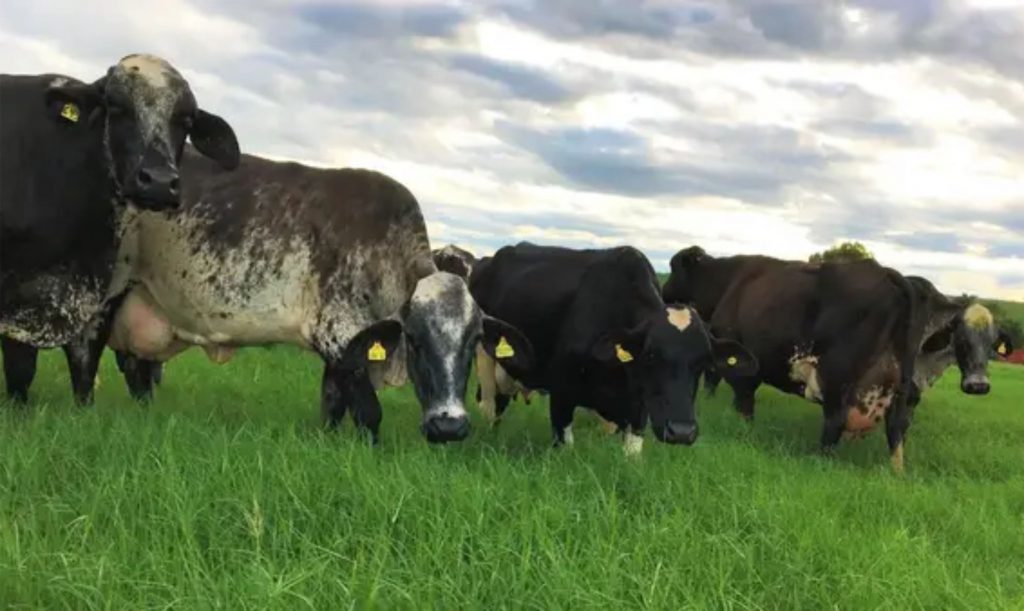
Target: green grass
x: 224, y: 493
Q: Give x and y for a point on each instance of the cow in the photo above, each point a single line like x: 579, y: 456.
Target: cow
x: 78, y: 162
x: 336, y: 261
x: 968, y: 342
x: 603, y: 339
x: 454, y: 260
x: 845, y: 335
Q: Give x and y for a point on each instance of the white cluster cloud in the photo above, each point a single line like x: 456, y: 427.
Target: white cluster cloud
x: 745, y: 127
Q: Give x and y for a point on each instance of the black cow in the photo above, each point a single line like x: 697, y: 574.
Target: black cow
x: 846, y: 335
x: 454, y: 260
x: 602, y: 338
x: 335, y: 261
x: 77, y: 163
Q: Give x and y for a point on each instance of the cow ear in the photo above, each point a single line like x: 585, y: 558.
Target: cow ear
x: 214, y: 138
x: 1003, y: 345
x: 732, y: 359
x: 508, y: 346
x: 374, y: 344
x: 74, y: 103
x: 620, y: 346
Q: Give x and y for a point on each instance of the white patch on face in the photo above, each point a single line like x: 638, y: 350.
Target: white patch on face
x: 633, y: 444
x: 60, y: 81
x: 448, y: 319
x: 567, y: 435
x: 149, y: 67
x: 978, y: 316
x: 679, y: 318
x: 803, y: 368
x: 454, y: 410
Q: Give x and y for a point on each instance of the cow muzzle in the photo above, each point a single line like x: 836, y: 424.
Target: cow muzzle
x: 677, y: 433
x: 155, y: 187
x: 442, y: 428
x: 975, y: 385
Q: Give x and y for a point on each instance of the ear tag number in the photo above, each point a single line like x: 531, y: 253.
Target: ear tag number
x: 731, y: 361
x: 623, y: 354
x: 376, y: 352
x: 503, y: 350
x: 1001, y: 349
x: 70, y: 112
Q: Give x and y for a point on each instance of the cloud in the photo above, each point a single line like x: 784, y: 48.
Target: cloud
x: 774, y: 126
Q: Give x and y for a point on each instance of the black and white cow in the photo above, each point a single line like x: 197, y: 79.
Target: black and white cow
x: 335, y: 261
x: 602, y: 338
x: 77, y: 162
x: 855, y: 337
x: 454, y: 260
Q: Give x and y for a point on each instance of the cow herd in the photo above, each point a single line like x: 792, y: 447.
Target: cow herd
x: 116, y: 233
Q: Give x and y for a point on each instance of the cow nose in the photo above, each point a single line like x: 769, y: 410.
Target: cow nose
x: 679, y: 432
x: 976, y: 386
x: 443, y: 428
x: 157, y: 187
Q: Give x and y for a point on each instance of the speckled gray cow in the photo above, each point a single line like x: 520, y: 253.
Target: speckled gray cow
x: 335, y: 261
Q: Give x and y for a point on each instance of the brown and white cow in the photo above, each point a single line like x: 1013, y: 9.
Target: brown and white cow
x: 336, y: 261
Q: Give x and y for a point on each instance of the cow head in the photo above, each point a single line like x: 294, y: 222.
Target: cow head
x: 663, y: 357
x: 442, y: 327
x: 454, y: 260
x: 146, y: 110
x: 969, y: 340
x: 679, y: 286
x: 974, y: 339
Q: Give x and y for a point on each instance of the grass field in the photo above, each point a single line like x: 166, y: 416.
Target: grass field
x: 224, y: 493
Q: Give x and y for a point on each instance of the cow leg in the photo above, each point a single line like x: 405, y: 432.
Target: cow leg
x: 500, y: 405
x: 743, y: 398
x: 835, y: 420
x: 342, y: 388
x: 487, y: 388
x: 19, y: 367
x: 711, y: 381
x: 561, y: 420
x: 897, y: 421
x: 139, y: 374
x: 83, y: 356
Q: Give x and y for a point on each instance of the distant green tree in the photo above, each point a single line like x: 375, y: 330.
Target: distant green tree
x: 843, y: 253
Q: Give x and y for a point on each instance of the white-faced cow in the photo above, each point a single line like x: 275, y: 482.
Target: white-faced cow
x: 335, y: 261
x: 77, y: 161
x: 850, y: 336
x: 602, y: 338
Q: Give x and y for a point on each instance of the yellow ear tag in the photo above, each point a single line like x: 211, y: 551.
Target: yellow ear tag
x: 70, y: 112
x: 623, y: 354
x: 503, y: 350
x: 1001, y: 349
x: 376, y: 352
x: 731, y: 361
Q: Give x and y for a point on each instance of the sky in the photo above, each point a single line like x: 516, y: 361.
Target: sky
x: 743, y: 126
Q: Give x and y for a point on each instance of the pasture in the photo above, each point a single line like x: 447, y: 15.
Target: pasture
x: 224, y: 493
